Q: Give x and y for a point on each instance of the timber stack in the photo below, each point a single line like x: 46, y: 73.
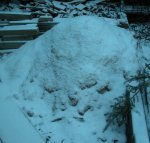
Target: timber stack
x: 34, y: 17
x: 17, y: 28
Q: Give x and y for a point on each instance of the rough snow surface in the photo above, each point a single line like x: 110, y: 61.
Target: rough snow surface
x: 66, y: 79
x: 18, y: 128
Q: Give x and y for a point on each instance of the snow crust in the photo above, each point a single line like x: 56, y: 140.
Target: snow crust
x: 17, y: 129
x: 62, y: 74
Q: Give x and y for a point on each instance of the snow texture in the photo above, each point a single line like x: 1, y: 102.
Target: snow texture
x: 56, y: 79
x: 17, y: 129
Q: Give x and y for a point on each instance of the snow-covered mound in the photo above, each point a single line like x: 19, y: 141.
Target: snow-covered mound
x: 75, y: 68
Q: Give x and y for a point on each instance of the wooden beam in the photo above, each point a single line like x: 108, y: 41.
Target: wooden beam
x: 11, y: 44
x: 45, y: 18
x: 17, y: 37
x: 29, y: 29
x: 15, y: 15
x: 22, y: 22
x: 44, y: 26
x: 4, y: 23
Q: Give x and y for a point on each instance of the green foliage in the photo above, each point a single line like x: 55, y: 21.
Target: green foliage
x: 121, y: 107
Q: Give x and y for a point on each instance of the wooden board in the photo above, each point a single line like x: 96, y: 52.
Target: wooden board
x: 11, y: 44
x: 44, y: 26
x: 29, y: 29
x: 15, y: 15
x: 45, y: 18
x: 7, y: 51
x: 3, y: 24
x: 22, y: 22
x: 17, y: 37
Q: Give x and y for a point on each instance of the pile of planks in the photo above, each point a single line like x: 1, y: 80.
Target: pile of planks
x: 36, y: 17
x: 18, y: 28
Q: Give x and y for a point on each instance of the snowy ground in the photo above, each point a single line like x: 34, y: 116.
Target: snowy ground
x: 64, y: 81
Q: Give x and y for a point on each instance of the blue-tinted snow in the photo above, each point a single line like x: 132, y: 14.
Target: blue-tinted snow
x: 72, y: 61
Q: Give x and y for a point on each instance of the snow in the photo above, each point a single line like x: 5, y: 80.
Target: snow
x: 17, y: 129
x: 56, y: 78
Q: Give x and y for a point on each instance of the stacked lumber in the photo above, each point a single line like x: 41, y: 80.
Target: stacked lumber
x: 39, y: 15
x: 18, y: 28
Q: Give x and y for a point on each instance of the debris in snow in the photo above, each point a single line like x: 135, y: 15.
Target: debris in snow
x: 86, y: 108
x: 73, y: 101
x: 57, y: 119
x: 50, y: 89
x: 89, y: 82
x: 103, y: 89
x: 102, y: 139
x: 30, y: 113
x: 123, y: 25
x: 80, y: 119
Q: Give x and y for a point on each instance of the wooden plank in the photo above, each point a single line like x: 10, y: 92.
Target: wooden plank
x: 7, y: 51
x: 3, y: 23
x: 29, y: 29
x: 22, y: 22
x: 45, y: 18
x: 15, y: 15
x: 17, y: 38
x: 39, y: 34
x: 44, y: 26
x: 11, y: 44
